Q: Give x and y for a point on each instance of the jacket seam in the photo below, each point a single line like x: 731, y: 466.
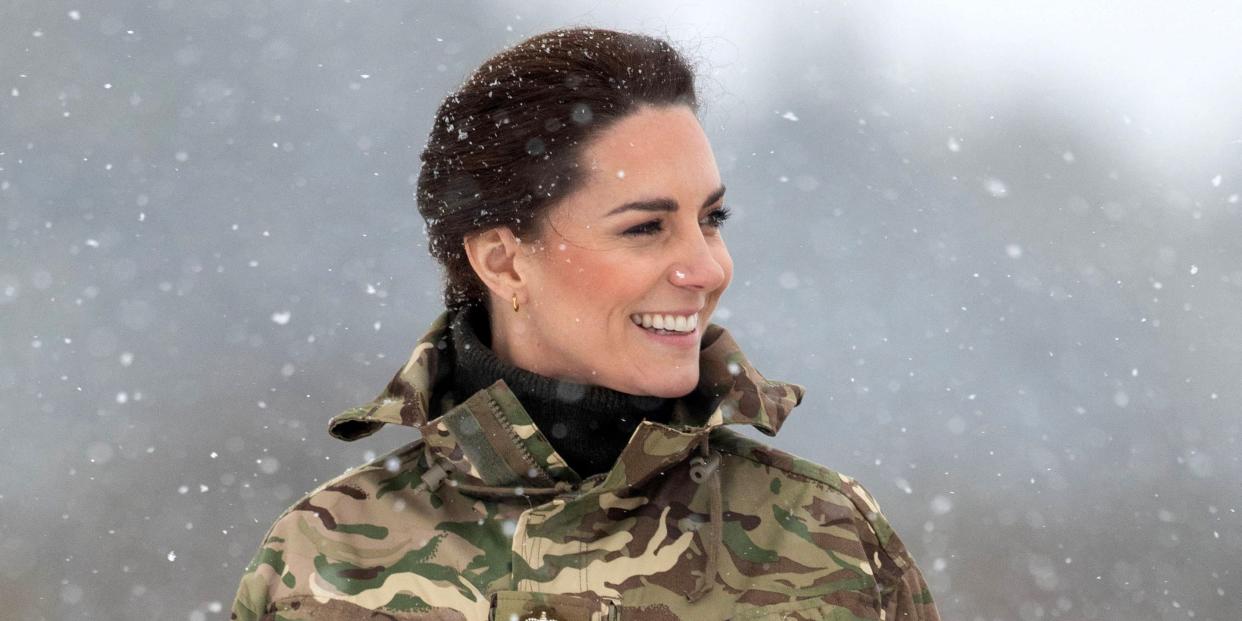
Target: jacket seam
x: 500, y: 417
x: 794, y: 475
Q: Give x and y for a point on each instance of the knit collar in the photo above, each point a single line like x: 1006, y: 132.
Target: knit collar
x: 477, y: 366
x: 588, y: 425
x: 490, y: 437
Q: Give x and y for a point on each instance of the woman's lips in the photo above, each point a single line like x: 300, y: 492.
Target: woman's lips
x: 672, y: 322
x: 666, y: 337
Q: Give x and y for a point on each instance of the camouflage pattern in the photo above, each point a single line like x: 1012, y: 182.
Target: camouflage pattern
x: 481, y: 519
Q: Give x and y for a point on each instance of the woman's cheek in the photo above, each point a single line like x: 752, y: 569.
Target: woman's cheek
x: 592, y: 272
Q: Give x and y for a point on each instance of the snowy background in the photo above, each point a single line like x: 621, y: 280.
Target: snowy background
x: 1000, y: 245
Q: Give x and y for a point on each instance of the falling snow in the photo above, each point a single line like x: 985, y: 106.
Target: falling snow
x: 1005, y: 272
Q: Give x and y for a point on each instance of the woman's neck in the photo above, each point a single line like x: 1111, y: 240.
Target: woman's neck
x: 517, y: 343
x: 587, y: 424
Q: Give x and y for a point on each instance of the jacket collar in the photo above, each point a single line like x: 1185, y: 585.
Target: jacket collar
x: 491, y: 440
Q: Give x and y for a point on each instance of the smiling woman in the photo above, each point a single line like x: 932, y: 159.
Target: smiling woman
x: 591, y: 267
x: 574, y: 400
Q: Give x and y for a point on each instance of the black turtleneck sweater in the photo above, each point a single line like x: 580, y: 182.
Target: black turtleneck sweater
x: 587, y: 425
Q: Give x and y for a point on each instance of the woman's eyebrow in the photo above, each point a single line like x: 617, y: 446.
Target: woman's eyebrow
x: 663, y: 204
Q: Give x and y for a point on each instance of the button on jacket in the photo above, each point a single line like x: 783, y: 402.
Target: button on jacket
x: 482, y: 519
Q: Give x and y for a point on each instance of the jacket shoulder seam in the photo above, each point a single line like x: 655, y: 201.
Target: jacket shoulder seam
x: 344, y: 477
x: 824, y: 482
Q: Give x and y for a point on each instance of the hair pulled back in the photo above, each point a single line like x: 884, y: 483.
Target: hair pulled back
x: 507, y: 144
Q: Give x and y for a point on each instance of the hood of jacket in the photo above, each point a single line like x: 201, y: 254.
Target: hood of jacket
x: 489, y: 439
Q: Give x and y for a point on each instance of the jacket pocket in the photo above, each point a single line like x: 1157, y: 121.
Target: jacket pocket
x: 307, y: 608
x: 805, y: 610
x: 523, y: 605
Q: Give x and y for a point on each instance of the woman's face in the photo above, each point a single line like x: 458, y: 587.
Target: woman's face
x: 626, y: 271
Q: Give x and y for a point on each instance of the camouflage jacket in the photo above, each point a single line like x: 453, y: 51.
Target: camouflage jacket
x: 481, y: 519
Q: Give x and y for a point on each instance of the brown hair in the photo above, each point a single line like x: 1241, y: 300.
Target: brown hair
x: 506, y: 144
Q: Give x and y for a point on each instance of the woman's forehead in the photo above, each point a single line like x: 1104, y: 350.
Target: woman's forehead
x: 648, y: 155
x: 650, y: 136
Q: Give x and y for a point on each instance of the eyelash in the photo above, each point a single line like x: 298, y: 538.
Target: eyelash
x: 715, y: 219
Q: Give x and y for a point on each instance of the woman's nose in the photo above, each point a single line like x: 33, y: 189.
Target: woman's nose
x: 697, y: 267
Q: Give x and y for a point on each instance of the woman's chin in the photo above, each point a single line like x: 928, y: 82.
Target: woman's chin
x: 672, y: 385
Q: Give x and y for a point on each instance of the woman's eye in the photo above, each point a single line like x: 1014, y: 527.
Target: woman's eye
x: 646, y: 228
x: 717, y: 217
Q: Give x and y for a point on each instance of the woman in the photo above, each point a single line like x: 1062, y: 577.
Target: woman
x: 575, y: 404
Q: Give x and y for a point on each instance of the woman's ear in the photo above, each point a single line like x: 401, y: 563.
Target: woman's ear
x: 493, y: 253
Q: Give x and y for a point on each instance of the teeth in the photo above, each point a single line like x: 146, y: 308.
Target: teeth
x: 672, y: 323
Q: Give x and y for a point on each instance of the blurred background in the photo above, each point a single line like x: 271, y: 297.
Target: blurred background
x: 999, y: 244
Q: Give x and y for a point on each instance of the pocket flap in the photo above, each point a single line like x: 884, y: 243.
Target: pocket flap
x: 806, y: 610
x: 531, y: 606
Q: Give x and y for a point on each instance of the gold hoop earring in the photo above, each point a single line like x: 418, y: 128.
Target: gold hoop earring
x: 515, y: 303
